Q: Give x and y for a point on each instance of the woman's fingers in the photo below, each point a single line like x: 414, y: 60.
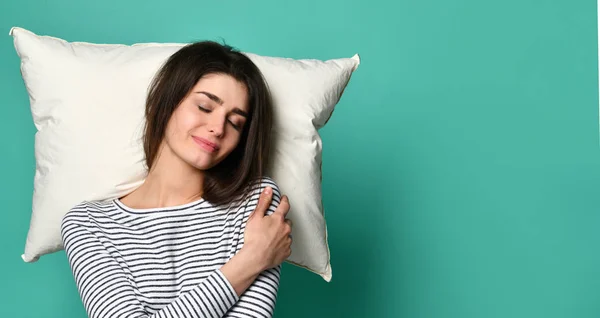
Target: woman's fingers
x: 276, y: 228
x: 284, y: 206
x: 263, y: 203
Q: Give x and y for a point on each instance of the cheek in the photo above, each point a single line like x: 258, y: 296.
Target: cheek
x: 170, y: 131
x: 175, y: 133
x: 182, y: 123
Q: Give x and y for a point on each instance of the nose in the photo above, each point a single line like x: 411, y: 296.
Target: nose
x: 217, y: 125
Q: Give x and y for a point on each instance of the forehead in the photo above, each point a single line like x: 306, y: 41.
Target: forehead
x: 231, y: 92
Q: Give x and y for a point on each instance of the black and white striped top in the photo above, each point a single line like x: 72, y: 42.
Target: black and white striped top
x: 164, y: 262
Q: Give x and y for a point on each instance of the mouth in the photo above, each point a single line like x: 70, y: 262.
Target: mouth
x: 205, y: 144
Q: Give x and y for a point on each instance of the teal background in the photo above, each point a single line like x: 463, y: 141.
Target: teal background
x: 461, y: 168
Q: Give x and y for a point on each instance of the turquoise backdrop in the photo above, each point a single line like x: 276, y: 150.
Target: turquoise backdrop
x: 461, y: 171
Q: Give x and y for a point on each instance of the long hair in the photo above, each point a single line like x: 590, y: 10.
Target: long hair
x: 247, y: 162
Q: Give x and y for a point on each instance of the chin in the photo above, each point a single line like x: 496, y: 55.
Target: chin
x: 197, y: 161
x: 201, y: 164
x: 204, y: 163
x: 202, y: 160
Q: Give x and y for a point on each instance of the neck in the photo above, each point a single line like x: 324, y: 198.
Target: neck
x: 170, y: 182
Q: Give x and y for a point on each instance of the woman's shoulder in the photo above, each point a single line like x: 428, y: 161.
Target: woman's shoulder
x: 259, y: 185
x: 82, y: 211
x: 93, y: 205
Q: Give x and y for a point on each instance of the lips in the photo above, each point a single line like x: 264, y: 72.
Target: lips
x: 209, y: 146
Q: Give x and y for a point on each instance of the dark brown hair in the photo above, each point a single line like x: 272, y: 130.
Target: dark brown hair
x: 176, y: 78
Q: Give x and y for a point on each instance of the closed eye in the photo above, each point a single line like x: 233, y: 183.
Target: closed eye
x: 237, y: 127
x: 203, y: 109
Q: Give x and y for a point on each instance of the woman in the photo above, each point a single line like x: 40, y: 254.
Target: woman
x: 205, y: 234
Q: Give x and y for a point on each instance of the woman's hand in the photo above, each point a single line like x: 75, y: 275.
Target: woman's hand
x: 267, y: 243
x: 268, y: 237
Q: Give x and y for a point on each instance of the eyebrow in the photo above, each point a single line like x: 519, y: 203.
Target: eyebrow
x: 216, y: 99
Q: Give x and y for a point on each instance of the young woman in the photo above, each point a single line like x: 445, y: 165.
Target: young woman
x: 205, y: 234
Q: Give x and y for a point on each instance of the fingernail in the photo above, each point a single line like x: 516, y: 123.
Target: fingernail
x: 268, y: 190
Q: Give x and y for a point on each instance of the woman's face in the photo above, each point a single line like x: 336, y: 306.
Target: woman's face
x: 208, y: 124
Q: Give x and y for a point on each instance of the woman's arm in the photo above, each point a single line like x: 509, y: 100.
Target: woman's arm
x: 260, y: 297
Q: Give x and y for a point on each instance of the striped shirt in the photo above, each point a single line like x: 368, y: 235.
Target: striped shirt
x: 164, y: 262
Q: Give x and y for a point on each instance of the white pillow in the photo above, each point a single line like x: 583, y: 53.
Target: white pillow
x: 87, y: 101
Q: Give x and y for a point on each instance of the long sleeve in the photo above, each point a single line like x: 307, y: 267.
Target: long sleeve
x: 258, y: 301
x: 107, y: 292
